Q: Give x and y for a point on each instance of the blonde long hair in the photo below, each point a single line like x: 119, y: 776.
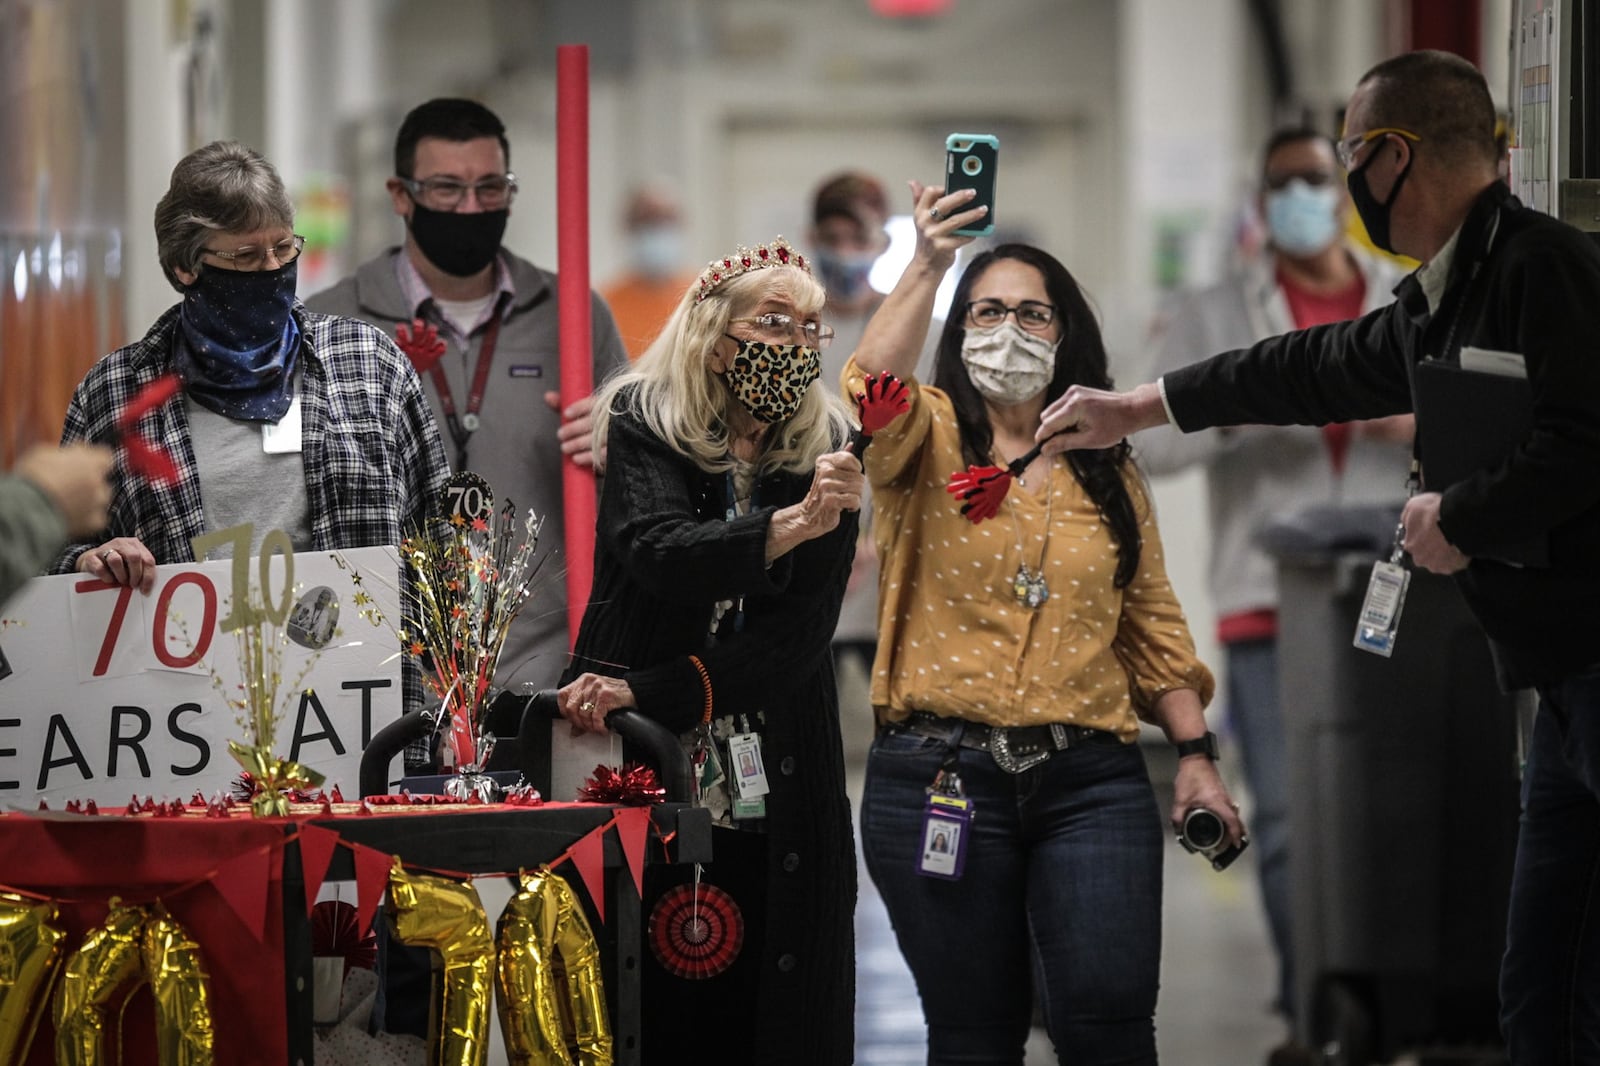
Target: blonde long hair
x: 674, y: 391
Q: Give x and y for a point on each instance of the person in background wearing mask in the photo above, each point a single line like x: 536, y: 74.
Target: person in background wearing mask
x: 647, y: 292
x: 848, y: 215
x: 51, y: 494
x: 1307, y: 275
x: 496, y: 385
x: 1016, y: 660
x: 288, y: 419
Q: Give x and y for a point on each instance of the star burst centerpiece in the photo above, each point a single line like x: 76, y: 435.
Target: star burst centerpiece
x: 467, y: 587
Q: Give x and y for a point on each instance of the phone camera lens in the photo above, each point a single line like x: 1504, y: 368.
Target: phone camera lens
x: 972, y: 165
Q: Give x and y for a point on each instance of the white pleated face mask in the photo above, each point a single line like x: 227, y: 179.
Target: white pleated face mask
x: 1007, y: 364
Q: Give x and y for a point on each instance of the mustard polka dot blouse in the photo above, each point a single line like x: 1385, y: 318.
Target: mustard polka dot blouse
x: 953, y: 637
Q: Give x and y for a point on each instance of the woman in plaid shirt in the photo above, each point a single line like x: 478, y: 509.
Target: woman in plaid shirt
x: 288, y: 419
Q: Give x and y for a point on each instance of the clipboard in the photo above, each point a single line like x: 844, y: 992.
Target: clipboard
x: 1470, y: 420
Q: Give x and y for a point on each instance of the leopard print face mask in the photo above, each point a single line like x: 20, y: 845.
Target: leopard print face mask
x: 771, y: 379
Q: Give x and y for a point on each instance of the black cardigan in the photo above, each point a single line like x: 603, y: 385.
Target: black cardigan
x: 1536, y: 293
x: 664, y: 555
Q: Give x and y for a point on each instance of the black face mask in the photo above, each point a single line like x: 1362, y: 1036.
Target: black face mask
x: 1375, y: 215
x: 456, y: 243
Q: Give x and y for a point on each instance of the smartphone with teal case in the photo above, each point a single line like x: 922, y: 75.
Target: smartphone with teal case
x: 970, y: 162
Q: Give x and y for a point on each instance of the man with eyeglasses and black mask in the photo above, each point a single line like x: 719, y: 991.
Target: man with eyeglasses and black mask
x: 1308, y: 273
x: 1516, y: 292
x: 493, y: 374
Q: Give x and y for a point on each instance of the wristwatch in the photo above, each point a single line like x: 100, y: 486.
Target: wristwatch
x: 1205, y: 745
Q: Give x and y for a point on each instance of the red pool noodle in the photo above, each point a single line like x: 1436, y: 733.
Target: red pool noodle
x: 572, y: 292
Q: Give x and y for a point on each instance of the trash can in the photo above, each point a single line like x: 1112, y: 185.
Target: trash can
x: 1404, y: 804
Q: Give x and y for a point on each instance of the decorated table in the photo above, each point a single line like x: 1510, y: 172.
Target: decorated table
x: 239, y: 891
x: 186, y: 933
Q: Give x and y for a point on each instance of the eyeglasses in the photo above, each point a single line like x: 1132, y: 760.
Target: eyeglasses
x: 1314, y: 178
x: 250, y: 257
x: 1348, y: 147
x: 811, y: 334
x: 446, y: 194
x: 1033, y: 316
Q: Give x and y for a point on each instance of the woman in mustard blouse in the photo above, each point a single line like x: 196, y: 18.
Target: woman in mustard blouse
x: 1008, y: 817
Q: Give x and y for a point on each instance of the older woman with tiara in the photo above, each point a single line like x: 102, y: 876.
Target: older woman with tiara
x: 726, y: 531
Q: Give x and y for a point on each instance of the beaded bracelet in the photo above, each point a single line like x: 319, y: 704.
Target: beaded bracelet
x: 705, y: 679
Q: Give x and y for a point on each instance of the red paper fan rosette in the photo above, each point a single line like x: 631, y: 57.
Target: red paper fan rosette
x: 696, y: 931
x: 335, y: 931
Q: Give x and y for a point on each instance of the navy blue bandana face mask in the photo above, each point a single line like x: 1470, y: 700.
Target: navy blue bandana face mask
x: 237, y: 342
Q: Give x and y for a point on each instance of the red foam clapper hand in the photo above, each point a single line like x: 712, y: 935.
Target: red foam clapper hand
x: 420, y: 341
x: 883, y: 398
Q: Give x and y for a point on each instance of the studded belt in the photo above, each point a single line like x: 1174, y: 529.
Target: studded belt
x: 1013, y: 748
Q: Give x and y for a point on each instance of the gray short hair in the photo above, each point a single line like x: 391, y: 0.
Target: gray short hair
x: 223, y: 187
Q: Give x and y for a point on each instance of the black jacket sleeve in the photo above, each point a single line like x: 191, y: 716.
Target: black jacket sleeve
x: 661, y: 539
x: 672, y: 552
x: 1339, y: 372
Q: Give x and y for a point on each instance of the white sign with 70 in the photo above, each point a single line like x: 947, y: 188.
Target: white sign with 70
x: 107, y: 692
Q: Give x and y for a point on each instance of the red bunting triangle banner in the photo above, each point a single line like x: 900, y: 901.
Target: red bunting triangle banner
x: 242, y: 883
x: 316, y: 853
x: 633, y: 830
x: 372, y: 880
x: 589, y: 856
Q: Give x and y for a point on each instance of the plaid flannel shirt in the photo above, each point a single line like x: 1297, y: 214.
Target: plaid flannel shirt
x: 374, y: 464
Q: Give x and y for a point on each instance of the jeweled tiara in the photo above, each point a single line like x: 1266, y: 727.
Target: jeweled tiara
x: 776, y: 252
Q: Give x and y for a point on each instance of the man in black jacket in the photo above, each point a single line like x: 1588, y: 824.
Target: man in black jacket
x: 1421, y: 157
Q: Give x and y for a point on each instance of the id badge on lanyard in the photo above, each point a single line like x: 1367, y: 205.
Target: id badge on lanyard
x: 1379, y: 622
x: 946, y: 825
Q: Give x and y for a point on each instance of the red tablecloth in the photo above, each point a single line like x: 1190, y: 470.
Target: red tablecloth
x: 223, y: 880
x: 82, y: 862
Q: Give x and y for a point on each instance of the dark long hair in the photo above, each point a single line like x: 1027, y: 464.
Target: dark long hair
x: 1080, y: 360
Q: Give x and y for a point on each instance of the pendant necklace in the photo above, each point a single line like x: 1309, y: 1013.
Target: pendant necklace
x: 1029, y: 586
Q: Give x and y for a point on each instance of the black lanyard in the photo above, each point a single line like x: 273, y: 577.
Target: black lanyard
x: 463, y: 427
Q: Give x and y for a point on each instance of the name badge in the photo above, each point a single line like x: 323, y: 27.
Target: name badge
x: 1380, y: 611
x: 945, y: 822
x: 744, y: 749
x: 285, y: 436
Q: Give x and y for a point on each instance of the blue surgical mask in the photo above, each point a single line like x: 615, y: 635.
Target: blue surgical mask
x: 657, y: 251
x: 845, y: 275
x: 1303, y: 219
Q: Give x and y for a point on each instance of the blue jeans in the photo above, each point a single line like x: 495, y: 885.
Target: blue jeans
x: 1063, y: 880
x: 1550, y: 977
x: 1257, y: 721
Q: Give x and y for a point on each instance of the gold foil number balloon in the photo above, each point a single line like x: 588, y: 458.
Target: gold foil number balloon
x: 448, y: 917
x: 541, y: 927
x: 178, y: 983
x: 133, y: 945
x: 30, y: 952
x: 95, y: 983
